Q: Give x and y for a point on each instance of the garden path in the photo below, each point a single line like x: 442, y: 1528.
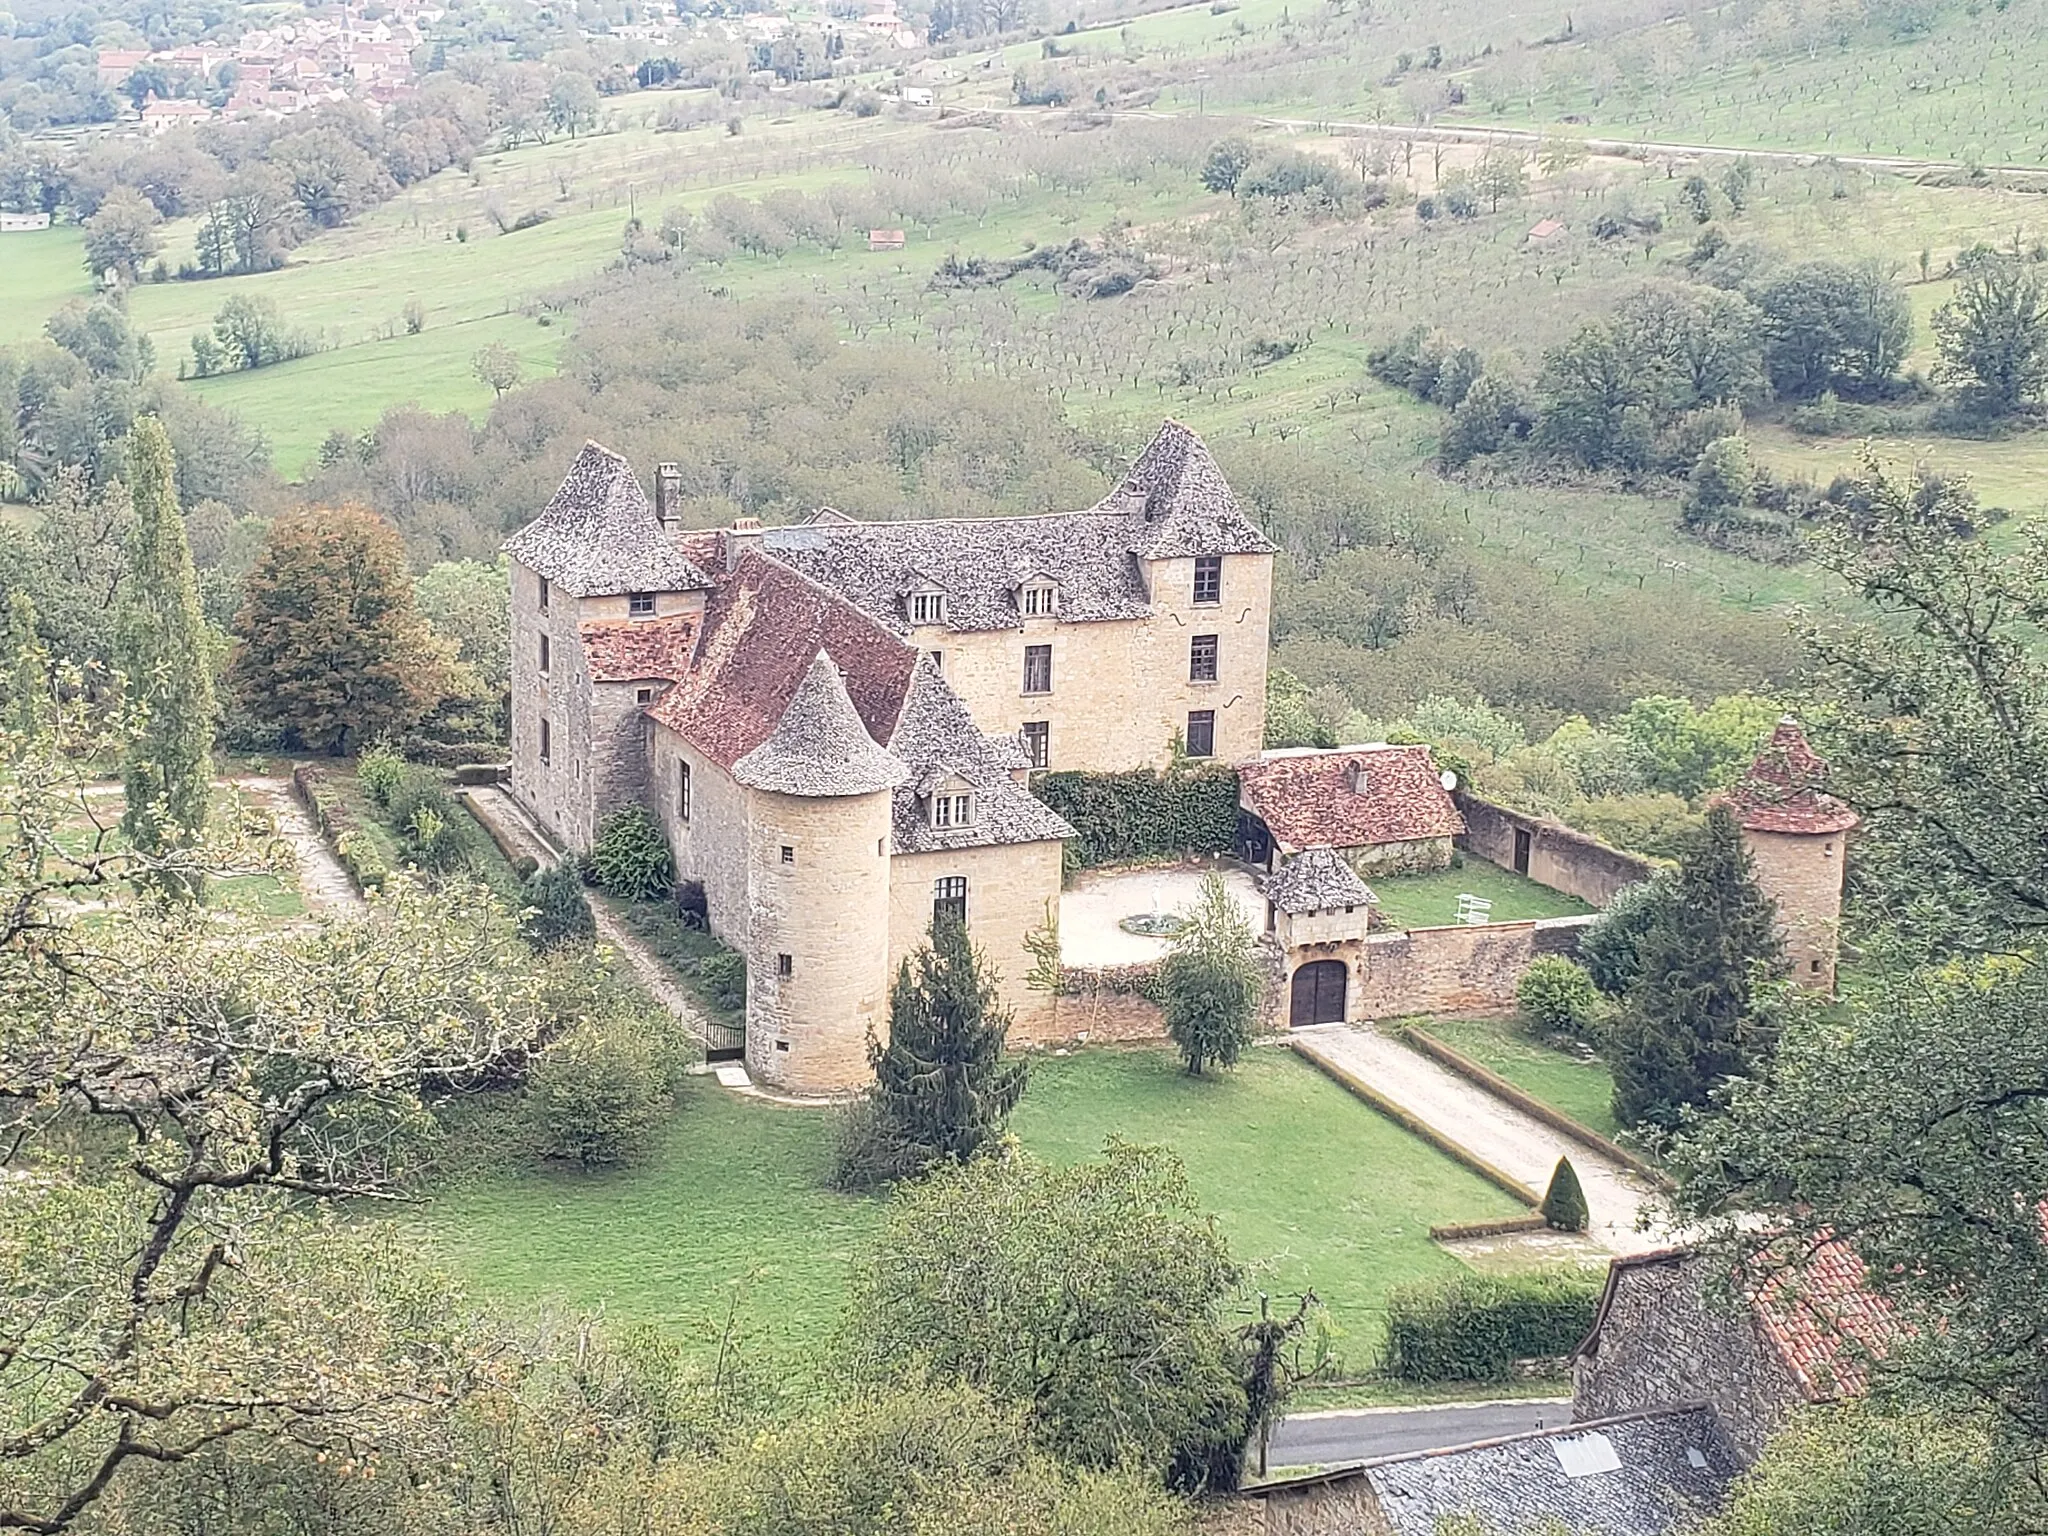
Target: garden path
x: 323, y: 883
x: 1497, y: 1133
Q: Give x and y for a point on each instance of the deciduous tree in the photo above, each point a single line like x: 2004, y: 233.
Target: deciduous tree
x: 122, y: 236
x: 1994, y: 334
x: 1211, y: 980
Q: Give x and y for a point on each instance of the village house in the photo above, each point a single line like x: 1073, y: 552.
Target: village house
x: 1386, y: 809
x: 834, y: 721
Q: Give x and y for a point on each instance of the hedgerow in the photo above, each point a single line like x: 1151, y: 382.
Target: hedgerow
x: 1143, y: 813
x: 1475, y: 1327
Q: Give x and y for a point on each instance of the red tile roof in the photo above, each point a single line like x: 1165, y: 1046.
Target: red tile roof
x: 1781, y: 792
x: 629, y: 650
x: 763, y: 627
x: 1824, y: 1322
x: 1306, y: 798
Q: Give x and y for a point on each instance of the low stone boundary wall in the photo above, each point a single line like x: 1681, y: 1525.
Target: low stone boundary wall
x: 353, y: 849
x: 1457, y: 969
x: 1559, y: 857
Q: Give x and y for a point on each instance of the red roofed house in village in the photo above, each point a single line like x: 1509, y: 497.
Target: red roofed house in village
x: 834, y: 721
x: 1806, y: 1332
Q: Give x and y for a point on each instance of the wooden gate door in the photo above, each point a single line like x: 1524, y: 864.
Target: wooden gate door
x: 1318, y: 994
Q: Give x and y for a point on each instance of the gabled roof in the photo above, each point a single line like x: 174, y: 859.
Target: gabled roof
x: 598, y: 537
x: 938, y: 740
x: 1315, y: 880
x: 820, y: 746
x: 1781, y: 791
x: 1174, y: 502
x: 634, y: 650
x: 763, y: 628
x: 1306, y: 800
x: 1638, y: 1474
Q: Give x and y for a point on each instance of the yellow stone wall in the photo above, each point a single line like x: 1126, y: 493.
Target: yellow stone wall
x: 1120, y: 687
x: 1007, y: 891
x: 1802, y: 873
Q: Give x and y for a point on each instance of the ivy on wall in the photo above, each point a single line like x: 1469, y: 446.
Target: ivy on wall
x: 1143, y: 813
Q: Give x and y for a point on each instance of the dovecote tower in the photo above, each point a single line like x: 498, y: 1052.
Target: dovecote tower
x: 1797, y: 837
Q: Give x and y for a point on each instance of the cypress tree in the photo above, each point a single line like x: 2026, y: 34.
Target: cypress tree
x: 1689, y: 1021
x: 943, y: 1087
x: 161, y: 642
x: 27, y: 666
x: 1564, y: 1203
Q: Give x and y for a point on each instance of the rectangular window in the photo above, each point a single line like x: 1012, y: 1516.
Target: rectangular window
x: 1202, y: 659
x: 1201, y: 733
x: 938, y: 661
x: 1038, y: 669
x: 682, y: 791
x: 546, y: 747
x: 952, y: 810
x: 788, y: 854
x: 543, y: 594
x: 949, y: 898
x: 785, y: 966
x: 1038, y: 742
x: 640, y: 605
x: 545, y: 651
x: 1040, y: 601
x: 643, y: 695
x: 928, y: 608
x: 1208, y: 578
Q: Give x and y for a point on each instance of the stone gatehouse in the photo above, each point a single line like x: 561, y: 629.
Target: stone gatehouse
x: 835, y: 721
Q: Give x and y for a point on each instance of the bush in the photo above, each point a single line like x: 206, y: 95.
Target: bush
x: 434, y: 828
x: 631, y: 857
x: 724, y: 975
x: 1564, y: 1203
x: 1557, y: 997
x: 598, y: 1093
x: 868, y: 1150
x: 559, y: 912
x: 380, y: 771
x: 1610, y: 948
x: 1475, y: 1327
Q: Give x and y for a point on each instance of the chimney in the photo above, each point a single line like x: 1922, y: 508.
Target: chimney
x: 668, y: 493
x: 745, y: 534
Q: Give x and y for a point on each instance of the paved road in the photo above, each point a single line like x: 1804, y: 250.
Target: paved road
x: 1324, y: 1439
x: 1493, y: 1130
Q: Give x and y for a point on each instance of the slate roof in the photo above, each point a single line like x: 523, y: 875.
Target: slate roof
x: 938, y: 740
x: 1173, y: 502
x: 763, y: 628
x: 598, y: 537
x: 820, y: 746
x: 1636, y: 1475
x: 634, y: 650
x: 1781, y: 791
x: 1315, y: 880
x: 1306, y: 800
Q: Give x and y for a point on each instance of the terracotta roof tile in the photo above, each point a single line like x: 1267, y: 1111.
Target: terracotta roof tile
x: 1823, y: 1321
x: 630, y: 650
x: 1306, y: 798
x: 1781, y: 791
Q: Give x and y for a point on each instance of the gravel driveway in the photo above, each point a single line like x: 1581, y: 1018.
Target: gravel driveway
x: 1091, y: 907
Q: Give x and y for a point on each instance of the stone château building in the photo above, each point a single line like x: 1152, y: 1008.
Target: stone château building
x: 835, y: 721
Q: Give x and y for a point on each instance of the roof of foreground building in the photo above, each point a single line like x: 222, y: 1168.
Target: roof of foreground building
x: 1315, y: 880
x: 1349, y: 797
x: 940, y: 743
x: 598, y: 537
x: 820, y: 746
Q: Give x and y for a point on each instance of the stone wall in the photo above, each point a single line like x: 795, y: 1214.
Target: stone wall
x: 1102, y: 1013
x: 1008, y: 888
x: 1662, y: 1340
x: 1560, y: 858
x: 1802, y: 873
x: 711, y: 846
x: 1120, y: 688
x: 1458, y: 969
x: 1415, y: 856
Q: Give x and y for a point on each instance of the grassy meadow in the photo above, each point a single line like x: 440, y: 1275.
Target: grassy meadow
x: 1580, y: 1087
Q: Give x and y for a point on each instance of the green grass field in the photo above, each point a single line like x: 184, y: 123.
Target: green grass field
x: 1431, y: 900
x: 1580, y: 1088
x: 39, y: 271
x: 1311, y: 1188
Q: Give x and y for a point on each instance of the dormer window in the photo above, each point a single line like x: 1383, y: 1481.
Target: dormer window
x: 927, y: 607
x: 1040, y: 599
x: 954, y: 809
x: 640, y: 605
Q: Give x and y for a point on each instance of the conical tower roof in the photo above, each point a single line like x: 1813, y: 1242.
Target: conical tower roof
x: 819, y: 746
x: 1782, y: 792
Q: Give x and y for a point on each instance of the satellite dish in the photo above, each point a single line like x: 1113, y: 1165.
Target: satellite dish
x: 1448, y: 779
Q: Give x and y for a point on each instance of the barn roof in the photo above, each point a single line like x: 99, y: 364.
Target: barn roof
x: 1306, y: 798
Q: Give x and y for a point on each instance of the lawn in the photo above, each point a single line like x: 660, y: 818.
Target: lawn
x: 1311, y: 1188
x: 39, y: 270
x: 1580, y: 1088
x: 1425, y: 901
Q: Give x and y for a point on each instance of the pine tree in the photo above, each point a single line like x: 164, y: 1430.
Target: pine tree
x: 1564, y: 1203
x: 333, y: 650
x: 1690, y: 1021
x: 161, y: 642
x: 943, y: 1087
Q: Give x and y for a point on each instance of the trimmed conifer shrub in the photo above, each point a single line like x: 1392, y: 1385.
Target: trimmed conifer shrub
x: 558, y: 912
x: 631, y: 857
x: 1564, y: 1203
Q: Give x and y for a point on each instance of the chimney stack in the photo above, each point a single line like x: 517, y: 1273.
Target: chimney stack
x: 745, y: 534
x: 668, y: 493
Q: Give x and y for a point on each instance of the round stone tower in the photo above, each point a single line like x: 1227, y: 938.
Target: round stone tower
x: 818, y: 882
x: 1797, y: 837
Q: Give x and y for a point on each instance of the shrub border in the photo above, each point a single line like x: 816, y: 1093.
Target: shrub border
x: 1485, y: 1077
x: 1452, y: 1231
x: 350, y: 845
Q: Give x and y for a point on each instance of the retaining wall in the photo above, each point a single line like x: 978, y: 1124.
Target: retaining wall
x: 1461, y: 969
x: 1560, y: 858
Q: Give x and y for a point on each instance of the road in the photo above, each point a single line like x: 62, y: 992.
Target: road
x: 1325, y: 1439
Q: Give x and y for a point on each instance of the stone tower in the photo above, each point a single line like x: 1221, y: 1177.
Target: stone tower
x: 818, y: 873
x: 1797, y: 837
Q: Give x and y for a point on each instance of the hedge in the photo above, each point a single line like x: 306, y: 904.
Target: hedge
x: 1143, y: 813
x: 352, y: 846
x: 1475, y: 1327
